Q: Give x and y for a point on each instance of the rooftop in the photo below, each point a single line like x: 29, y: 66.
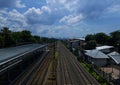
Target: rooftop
x: 8, y: 53
x: 115, y: 56
x: 104, y: 47
x: 96, y: 54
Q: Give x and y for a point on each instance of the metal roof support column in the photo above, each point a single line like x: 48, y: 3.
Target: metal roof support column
x: 119, y: 71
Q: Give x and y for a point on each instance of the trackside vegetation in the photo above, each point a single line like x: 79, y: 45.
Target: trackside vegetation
x: 10, y: 38
x: 89, y: 68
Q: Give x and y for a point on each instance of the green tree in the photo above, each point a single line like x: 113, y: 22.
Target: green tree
x: 26, y: 36
x: 1, y: 42
x: 17, y: 37
x: 91, y: 45
x: 115, y: 37
x: 36, y: 39
x: 8, y: 40
x: 89, y: 37
x: 102, y: 38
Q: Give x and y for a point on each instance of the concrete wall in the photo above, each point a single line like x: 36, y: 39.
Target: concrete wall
x: 99, y: 62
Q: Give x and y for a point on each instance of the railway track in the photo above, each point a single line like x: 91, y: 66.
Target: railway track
x: 87, y: 78
x: 69, y: 70
x: 77, y: 74
x: 66, y: 75
x: 39, y: 75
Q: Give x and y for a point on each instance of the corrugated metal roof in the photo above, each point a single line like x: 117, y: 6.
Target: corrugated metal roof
x: 115, y: 56
x: 7, y: 53
x: 96, y: 54
x: 104, y: 47
x: 114, y: 53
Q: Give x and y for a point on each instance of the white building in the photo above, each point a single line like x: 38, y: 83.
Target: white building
x: 96, y: 57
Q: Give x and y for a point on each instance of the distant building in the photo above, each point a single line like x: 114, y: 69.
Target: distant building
x: 76, y: 43
x: 96, y: 57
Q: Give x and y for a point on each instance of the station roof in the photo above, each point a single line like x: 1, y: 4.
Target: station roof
x: 104, y: 47
x: 115, y: 56
x: 96, y: 54
x: 8, y: 53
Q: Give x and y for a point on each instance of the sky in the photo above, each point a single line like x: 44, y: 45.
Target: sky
x: 61, y: 18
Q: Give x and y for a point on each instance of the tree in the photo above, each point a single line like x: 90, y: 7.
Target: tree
x: 89, y: 37
x: 91, y: 45
x: 115, y: 37
x: 102, y: 38
x: 1, y: 42
x: 36, y: 39
x: 6, y: 34
x: 17, y: 37
x: 26, y: 36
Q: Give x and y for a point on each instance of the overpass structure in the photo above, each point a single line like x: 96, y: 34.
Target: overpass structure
x: 14, y: 60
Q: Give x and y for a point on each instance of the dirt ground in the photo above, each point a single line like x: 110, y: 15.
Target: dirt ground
x: 115, y: 72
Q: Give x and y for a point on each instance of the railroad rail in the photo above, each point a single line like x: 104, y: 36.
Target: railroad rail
x: 39, y: 75
x: 66, y: 78
x: 74, y: 74
x: 69, y: 70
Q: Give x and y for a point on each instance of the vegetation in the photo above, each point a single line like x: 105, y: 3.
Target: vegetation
x: 89, y: 68
x: 91, y: 44
x: 9, y: 38
x: 102, y: 39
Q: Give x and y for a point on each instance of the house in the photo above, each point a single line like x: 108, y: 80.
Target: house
x: 76, y: 43
x: 105, y: 49
x: 115, y: 57
x: 96, y: 57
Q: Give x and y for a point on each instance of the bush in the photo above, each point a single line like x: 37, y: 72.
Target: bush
x: 100, y: 79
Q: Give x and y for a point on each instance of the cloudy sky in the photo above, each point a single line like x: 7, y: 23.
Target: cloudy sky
x: 61, y: 18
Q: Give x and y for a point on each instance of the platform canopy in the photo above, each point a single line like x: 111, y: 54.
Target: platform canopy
x: 12, y: 52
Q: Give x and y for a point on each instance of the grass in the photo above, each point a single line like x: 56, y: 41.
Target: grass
x: 56, y: 55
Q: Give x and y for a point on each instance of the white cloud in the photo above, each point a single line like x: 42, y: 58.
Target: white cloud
x: 46, y: 9
x: 43, y: 16
x: 19, y: 4
x: 113, y: 9
x: 33, y: 15
x: 63, y: 4
x: 16, y: 19
x: 55, y: 18
x: 72, y: 19
x: 13, y: 19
